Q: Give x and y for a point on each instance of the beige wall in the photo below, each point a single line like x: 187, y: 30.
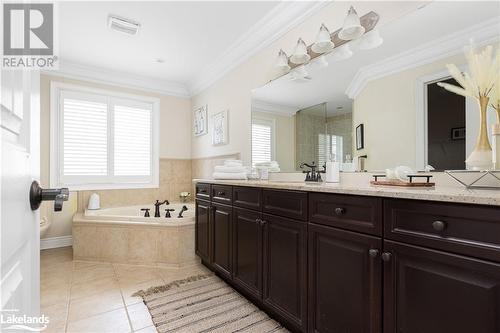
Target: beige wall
x: 387, y: 108
x: 233, y: 91
x: 175, y: 154
x: 285, y: 138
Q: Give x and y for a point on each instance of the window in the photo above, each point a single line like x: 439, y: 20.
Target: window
x: 329, y: 145
x: 102, y: 140
x: 262, y: 140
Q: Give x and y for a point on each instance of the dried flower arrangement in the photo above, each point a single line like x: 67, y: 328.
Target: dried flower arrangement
x: 481, y: 83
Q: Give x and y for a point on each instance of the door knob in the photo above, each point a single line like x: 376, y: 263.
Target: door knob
x: 38, y: 194
x: 438, y: 225
x: 373, y: 253
x: 386, y: 256
x: 339, y: 211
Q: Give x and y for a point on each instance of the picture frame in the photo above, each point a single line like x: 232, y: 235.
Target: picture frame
x: 360, y: 137
x: 219, y: 128
x: 200, y: 121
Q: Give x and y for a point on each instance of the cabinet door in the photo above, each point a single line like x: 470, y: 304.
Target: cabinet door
x: 435, y: 292
x: 285, y: 269
x: 221, y: 238
x: 247, y: 251
x: 345, y: 281
x: 202, y: 228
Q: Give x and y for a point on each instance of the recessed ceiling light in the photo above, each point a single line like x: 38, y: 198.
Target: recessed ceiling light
x: 123, y: 25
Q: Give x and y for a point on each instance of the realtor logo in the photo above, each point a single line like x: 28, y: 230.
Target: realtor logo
x: 28, y: 35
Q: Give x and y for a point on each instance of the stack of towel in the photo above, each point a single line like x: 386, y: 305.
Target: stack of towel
x: 272, y: 166
x: 232, y: 169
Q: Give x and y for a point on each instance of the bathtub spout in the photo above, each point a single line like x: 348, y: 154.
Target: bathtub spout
x: 183, y: 209
x: 157, y: 206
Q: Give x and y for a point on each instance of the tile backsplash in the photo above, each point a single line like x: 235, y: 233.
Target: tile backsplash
x: 175, y: 177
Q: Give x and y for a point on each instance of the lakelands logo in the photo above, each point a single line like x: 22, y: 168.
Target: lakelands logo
x: 11, y: 320
x: 28, y: 36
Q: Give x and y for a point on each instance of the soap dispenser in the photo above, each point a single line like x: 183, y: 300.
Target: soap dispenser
x: 332, y: 170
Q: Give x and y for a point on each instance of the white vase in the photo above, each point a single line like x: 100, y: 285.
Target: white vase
x: 495, y: 131
x: 480, y: 158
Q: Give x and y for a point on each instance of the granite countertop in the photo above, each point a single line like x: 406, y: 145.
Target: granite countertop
x: 438, y: 193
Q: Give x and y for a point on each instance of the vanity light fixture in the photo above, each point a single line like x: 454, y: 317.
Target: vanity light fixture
x: 323, y: 41
x: 370, y: 40
x: 282, y: 62
x: 300, y: 55
x: 300, y: 73
x: 352, y: 27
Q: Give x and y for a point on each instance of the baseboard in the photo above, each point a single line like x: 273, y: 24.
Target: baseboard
x: 54, y: 242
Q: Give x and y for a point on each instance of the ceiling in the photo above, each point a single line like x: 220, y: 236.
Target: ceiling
x: 186, y: 36
x: 329, y: 84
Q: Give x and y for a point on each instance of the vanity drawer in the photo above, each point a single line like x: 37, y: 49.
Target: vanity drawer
x: 203, y: 191
x: 356, y: 213
x: 292, y: 204
x: 466, y: 229
x: 222, y: 193
x: 247, y: 197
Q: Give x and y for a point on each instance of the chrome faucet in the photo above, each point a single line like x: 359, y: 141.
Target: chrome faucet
x: 157, y: 206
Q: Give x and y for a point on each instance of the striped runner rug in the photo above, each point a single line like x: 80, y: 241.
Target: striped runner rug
x: 204, y: 303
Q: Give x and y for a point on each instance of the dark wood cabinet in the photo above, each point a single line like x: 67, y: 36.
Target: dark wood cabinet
x: 345, y: 281
x: 435, y: 292
x: 221, y: 228
x: 247, y: 251
x: 202, y: 230
x: 320, y: 262
x: 285, y: 269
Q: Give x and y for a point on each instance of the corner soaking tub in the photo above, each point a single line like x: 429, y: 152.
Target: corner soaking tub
x: 124, y: 235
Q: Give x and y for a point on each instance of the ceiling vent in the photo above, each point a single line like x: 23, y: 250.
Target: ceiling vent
x: 123, y: 25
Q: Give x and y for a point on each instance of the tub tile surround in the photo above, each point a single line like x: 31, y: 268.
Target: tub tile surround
x: 97, y: 297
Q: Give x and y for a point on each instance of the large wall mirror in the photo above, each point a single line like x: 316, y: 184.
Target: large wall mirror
x: 381, y: 105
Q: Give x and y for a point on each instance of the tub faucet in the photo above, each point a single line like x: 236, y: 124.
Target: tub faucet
x: 183, y: 209
x: 157, y: 206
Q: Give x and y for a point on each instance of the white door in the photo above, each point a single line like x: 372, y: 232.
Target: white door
x: 19, y: 227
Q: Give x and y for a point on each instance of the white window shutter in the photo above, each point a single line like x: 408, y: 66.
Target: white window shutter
x: 261, y: 142
x: 132, y: 139
x: 84, y: 136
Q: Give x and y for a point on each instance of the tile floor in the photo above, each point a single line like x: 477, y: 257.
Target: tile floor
x: 95, y: 297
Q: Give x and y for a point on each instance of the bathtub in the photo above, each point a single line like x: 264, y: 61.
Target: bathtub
x: 124, y: 235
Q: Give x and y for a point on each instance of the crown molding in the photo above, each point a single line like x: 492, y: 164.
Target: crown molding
x: 273, y: 25
x: 452, y: 44
x: 284, y: 110
x: 77, y: 71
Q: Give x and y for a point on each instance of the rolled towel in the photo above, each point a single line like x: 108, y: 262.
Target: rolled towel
x: 230, y: 169
x: 229, y: 176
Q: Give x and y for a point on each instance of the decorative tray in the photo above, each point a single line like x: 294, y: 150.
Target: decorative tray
x: 409, y: 183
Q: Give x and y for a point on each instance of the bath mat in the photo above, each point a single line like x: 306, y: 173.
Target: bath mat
x: 204, y: 303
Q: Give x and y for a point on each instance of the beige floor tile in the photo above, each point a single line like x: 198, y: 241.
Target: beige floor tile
x: 51, y: 328
x: 139, y: 316
x: 134, y: 273
x: 54, y: 295
x: 89, y: 306
x: 128, y: 288
x: 93, y: 272
x: 149, y: 329
x: 94, y: 287
x: 57, y: 315
x: 115, y: 321
x: 172, y: 274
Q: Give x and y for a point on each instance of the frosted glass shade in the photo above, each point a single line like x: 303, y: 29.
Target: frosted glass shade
x: 370, y: 40
x: 300, y: 55
x: 352, y: 27
x: 282, y: 62
x: 323, y: 41
x: 342, y: 53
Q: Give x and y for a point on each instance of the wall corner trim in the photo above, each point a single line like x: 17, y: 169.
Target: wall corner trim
x: 55, y: 242
x: 449, y: 45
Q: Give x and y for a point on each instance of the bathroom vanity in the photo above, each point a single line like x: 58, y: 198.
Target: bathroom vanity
x: 320, y: 260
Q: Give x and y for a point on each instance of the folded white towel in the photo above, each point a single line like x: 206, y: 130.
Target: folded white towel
x: 230, y: 169
x: 228, y: 175
x: 233, y: 162
x: 272, y: 164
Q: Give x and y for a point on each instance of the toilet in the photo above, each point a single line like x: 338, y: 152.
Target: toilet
x: 44, y: 226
